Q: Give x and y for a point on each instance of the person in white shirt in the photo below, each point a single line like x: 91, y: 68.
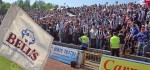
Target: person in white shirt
x: 57, y: 27
x: 92, y: 37
x: 60, y: 28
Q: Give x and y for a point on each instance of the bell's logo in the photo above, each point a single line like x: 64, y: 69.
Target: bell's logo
x: 23, y: 44
x: 28, y: 36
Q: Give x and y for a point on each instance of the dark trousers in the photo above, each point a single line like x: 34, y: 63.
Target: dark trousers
x: 63, y: 37
x: 107, y: 44
x: 115, y: 52
x: 93, y: 43
x: 75, y: 38
x: 113, y: 30
x: 133, y: 47
x: 83, y: 48
x: 69, y: 38
x: 57, y: 37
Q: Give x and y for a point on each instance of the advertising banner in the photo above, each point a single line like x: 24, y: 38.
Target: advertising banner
x: 23, y: 41
x: 63, y: 54
x: 116, y: 63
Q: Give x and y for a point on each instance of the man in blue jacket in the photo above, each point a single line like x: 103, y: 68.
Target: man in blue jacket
x: 141, y: 40
x: 134, y: 32
x: 146, y: 48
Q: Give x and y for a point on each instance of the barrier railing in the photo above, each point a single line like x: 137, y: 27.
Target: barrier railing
x: 92, y: 59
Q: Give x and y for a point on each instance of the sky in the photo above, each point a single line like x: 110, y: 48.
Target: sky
x: 77, y: 3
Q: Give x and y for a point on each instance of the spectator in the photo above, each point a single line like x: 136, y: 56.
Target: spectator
x: 92, y: 37
x: 122, y: 42
x: 146, y: 48
x: 88, y: 18
x: 134, y: 32
x: 100, y: 34
x: 141, y: 40
x: 107, y: 39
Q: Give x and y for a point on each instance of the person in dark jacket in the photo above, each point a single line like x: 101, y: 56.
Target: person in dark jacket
x: 122, y: 42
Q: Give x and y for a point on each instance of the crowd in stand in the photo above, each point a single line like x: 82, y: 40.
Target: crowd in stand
x: 130, y: 21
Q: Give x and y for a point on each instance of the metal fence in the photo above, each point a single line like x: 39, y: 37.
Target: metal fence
x: 92, y: 60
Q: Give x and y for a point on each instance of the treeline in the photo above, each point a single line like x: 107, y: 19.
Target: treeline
x: 26, y: 5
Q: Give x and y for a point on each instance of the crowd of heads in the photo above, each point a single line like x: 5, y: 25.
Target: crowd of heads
x: 68, y: 24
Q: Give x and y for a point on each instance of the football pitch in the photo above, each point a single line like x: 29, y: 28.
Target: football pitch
x: 6, y: 64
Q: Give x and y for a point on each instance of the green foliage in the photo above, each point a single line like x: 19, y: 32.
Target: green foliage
x: 25, y: 5
x: 4, y: 7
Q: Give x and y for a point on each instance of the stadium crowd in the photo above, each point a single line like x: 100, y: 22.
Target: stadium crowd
x: 130, y: 21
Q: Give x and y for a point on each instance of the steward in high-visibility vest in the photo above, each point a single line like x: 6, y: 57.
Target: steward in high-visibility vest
x: 84, y: 41
x: 115, y: 45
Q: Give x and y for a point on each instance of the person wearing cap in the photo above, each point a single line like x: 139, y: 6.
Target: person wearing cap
x: 84, y: 41
x: 115, y: 44
x: 141, y: 40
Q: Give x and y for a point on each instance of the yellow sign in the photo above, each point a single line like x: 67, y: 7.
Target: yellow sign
x: 116, y: 63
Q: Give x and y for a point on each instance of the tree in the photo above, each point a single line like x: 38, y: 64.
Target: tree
x: 20, y: 3
x: 4, y: 8
x: 1, y: 3
x: 26, y: 4
x: 47, y: 6
x: 34, y: 5
x: 56, y: 6
x: 40, y: 4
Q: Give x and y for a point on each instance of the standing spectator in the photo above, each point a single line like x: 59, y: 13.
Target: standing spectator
x: 85, y: 27
x: 127, y: 42
x: 113, y: 24
x: 107, y: 39
x: 70, y: 33
x: 66, y: 30
x: 99, y: 38
x: 122, y: 42
x: 76, y: 35
x: 115, y: 44
x: 134, y: 32
x: 147, y: 46
x: 92, y: 36
x: 141, y: 40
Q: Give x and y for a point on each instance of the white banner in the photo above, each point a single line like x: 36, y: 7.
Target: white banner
x: 23, y: 41
x: 63, y: 54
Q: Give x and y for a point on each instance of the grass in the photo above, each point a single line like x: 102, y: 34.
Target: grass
x: 6, y: 64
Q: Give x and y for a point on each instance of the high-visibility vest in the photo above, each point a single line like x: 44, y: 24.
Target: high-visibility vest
x: 114, y: 41
x: 84, y: 39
